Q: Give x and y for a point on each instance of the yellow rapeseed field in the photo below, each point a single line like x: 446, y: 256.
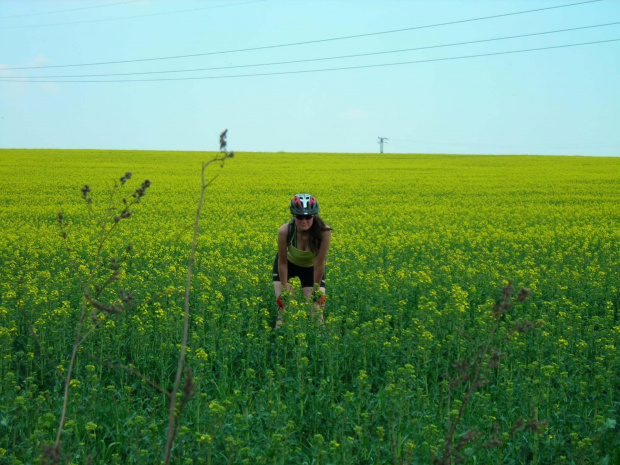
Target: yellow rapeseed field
x: 422, y: 246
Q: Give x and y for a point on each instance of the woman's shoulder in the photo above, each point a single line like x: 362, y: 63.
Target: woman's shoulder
x: 283, y: 230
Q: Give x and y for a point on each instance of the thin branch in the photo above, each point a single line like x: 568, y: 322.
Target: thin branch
x: 86, y: 299
x: 479, y: 372
x: 129, y: 370
x: 65, y: 402
x: 112, y: 276
x: 172, y: 417
x: 89, y: 332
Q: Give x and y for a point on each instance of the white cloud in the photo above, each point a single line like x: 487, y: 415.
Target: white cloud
x: 39, y: 60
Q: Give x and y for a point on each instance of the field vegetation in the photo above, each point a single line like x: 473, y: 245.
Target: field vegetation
x: 472, y: 310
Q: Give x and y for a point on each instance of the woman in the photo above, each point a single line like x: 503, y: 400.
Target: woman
x: 302, y: 247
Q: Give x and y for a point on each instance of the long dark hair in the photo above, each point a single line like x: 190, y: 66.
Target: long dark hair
x: 316, y: 231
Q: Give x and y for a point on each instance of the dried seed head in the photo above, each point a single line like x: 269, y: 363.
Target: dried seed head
x: 493, y: 443
x: 141, y: 190
x: 524, y: 327
x: 223, y: 140
x: 126, y: 177
x: 494, y: 360
x: 497, y: 311
x: 518, y: 426
x: 523, y: 294
x: 507, y: 292
x: 127, y: 298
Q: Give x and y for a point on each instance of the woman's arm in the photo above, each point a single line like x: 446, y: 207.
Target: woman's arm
x: 319, y: 264
x: 282, y: 260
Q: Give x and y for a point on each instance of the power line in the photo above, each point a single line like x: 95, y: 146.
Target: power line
x: 71, y: 9
x: 294, y: 44
x: 133, y: 17
x: 498, y: 145
x: 323, y: 69
x: 358, y: 55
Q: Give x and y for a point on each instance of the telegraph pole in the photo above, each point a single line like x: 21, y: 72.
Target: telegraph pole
x: 382, y: 140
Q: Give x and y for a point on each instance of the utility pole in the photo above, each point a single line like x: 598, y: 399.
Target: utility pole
x: 382, y: 140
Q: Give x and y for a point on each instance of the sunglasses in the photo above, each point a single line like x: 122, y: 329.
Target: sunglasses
x: 304, y: 217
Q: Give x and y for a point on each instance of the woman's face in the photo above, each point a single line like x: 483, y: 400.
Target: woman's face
x: 304, y: 222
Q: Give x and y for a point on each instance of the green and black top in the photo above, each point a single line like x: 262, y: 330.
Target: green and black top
x: 305, y: 258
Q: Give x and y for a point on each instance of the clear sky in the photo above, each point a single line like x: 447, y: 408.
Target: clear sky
x: 556, y: 101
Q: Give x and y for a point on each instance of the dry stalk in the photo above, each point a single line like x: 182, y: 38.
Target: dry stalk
x: 173, y: 414
x: 128, y: 370
x: 87, y: 300
x: 475, y: 372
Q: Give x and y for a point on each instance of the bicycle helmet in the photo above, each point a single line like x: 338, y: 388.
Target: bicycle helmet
x: 304, y: 204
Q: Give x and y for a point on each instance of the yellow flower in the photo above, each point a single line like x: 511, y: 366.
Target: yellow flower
x: 90, y: 426
x: 427, y: 336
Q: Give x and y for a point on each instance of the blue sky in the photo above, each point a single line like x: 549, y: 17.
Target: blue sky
x: 558, y: 101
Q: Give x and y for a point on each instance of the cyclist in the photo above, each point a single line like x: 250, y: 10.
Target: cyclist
x: 303, y: 243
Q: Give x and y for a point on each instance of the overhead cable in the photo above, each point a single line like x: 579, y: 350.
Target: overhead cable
x: 132, y: 17
x: 294, y: 44
x: 358, y: 55
x: 316, y: 70
x: 71, y: 9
